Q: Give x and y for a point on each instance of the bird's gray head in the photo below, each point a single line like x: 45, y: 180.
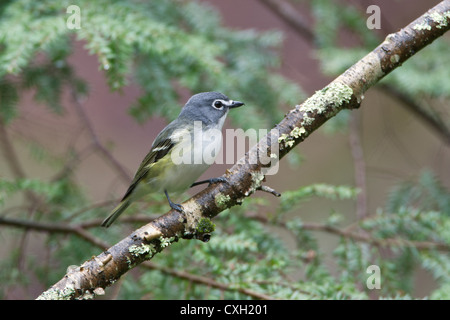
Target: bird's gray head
x: 209, y: 107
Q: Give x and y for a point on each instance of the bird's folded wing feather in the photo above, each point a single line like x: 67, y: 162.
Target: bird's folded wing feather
x: 158, y: 151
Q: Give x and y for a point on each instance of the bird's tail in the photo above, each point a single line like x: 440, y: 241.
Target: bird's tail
x: 116, y: 213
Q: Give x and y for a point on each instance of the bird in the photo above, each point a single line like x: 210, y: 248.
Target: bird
x: 181, y: 152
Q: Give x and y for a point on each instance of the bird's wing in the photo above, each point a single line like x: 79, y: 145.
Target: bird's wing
x: 159, y: 149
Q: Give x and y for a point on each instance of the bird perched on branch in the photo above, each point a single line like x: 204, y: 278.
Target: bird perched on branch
x: 181, y: 152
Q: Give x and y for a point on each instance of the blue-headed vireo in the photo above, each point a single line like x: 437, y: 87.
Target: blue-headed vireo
x: 181, y: 152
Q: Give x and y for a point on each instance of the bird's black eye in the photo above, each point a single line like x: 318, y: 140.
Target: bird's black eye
x: 218, y: 104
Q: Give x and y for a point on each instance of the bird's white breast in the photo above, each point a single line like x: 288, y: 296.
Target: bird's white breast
x: 192, y: 156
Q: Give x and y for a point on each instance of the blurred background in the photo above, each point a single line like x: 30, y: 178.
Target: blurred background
x: 80, y: 109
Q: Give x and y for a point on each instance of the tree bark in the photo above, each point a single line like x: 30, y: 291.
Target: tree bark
x: 247, y: 175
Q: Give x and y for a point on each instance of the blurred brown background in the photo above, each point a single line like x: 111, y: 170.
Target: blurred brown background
x: 397, y: 145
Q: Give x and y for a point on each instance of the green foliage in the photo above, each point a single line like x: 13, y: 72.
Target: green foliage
x: 333, y: 17
x: 10, y: 275
x: 60, y: 192
x: 244, y: 254
x: 160, y: 45
x: 422, y: 79
x: 167, y: 47
x: 424, y: 76
x: 292, y: 198
x: 163, y: 46
x: 415, y: 210
x: 426, y: 191
x: 8, y: 100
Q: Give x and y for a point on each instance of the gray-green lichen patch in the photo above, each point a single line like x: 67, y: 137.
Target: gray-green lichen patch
x: 326, y: 101
x: 288, y: 140
x: 422, y: 26
x: 146, y: 250
x: 297, y: 132
x: 54, y: 294
x: 165, y: 242
x: 257, y: 179
x: 441, y: 20
x: 334, y: 95
x: 149, y: 250
x: 222, y: 201
x: 283, y: 138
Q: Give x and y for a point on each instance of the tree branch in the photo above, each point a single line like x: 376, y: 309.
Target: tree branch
x: 79, y: 230
x: 207, y: 281
x: 365, y: 237
x: 379, y: 242
x: 435, y: 123
x: 288, y: 13
x: 95, y: 140
x: 13, y: 160
x: 247, y: 175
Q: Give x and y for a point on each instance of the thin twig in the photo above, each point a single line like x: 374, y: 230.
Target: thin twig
x: 345, y: 92
x: 388, y: 242
x: 54, y: 228
x: 13, y: 160
x: 103, y: 150
x: 350, y: 233
x: 207, y: 281
x: 18, y: 172
x: 291, y: 16
x: 270, y: 190
x: 433, y: 122
x: 79, y: 230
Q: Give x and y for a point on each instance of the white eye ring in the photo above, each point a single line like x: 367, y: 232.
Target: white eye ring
x: 218, y: 104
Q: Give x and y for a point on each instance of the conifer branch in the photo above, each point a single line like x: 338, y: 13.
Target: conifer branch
x: 247, y: 175
x: 288, y: 13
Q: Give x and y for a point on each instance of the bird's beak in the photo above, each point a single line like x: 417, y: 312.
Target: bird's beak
x: 236, y: 104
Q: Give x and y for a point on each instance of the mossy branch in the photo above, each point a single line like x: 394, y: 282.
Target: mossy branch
x: 246, y: 176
